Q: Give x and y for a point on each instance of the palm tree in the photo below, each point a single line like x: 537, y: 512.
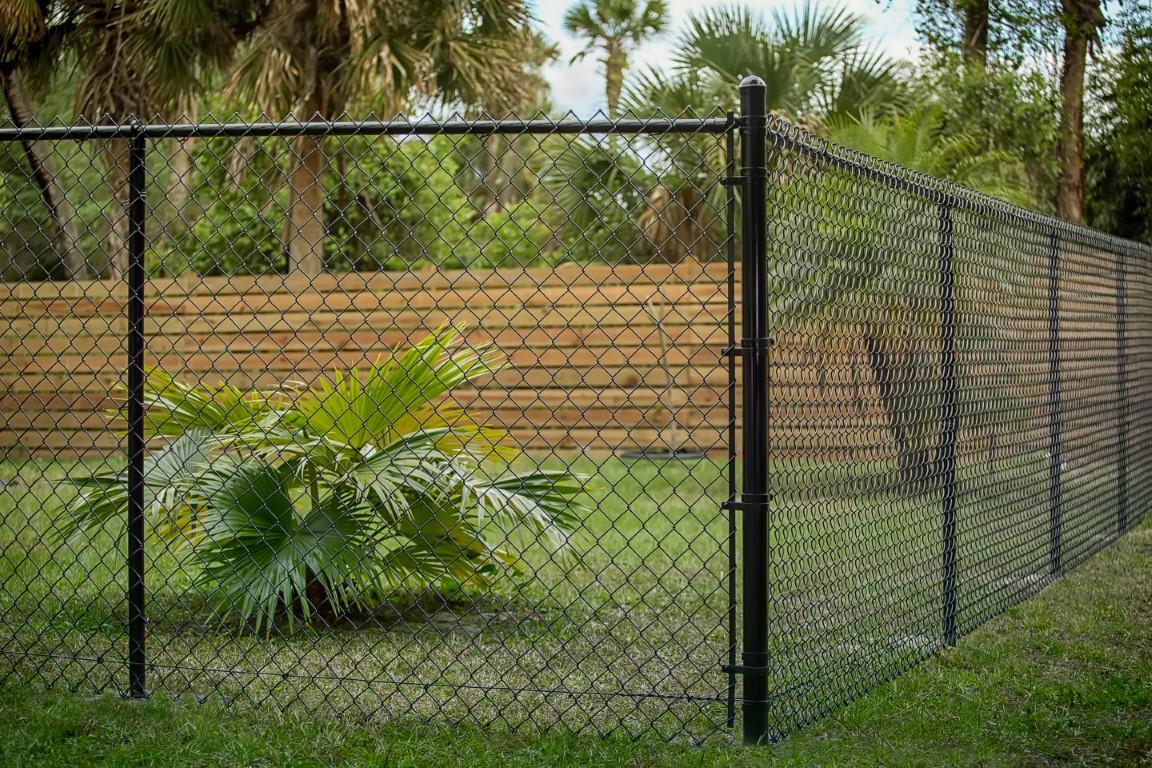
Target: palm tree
x: 617, y: 28
x: 318, y: 59
x: 815, y: 60
x: 818, y: 67
x: 142, y: 58
x: 27, y: 39
x: 865, y: 258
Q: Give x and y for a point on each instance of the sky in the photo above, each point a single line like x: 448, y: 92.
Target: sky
x: 579, y: 86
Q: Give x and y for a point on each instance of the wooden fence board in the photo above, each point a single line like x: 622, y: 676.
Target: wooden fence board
x: 583, y: 344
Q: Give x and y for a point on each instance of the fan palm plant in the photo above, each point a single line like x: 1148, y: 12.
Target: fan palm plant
x: 306, y: 503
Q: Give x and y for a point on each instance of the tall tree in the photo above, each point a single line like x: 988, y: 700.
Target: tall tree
x: 318, y: 58
x: 818, y: 66
x: 1082, y: 20
x: 975, y: 42
x: 617, y: 28
x: 982, y: 31
x: 27, y: 38
x: 141, y: 58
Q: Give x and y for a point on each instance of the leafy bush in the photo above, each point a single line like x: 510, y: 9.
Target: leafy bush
x: 394, y: 204
x: 514, y: 237
x: 298, y: 503
x: 236, y: 211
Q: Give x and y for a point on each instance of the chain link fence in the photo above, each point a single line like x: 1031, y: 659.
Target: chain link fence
x: 619, y: 426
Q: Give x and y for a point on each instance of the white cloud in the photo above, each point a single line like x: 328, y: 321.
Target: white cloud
x: 579, y: 86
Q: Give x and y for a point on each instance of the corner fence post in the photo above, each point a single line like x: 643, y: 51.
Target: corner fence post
x: 754, y: 492
x: 1055, y: 449
x: 136, y: 245
x: 950, y: 422
x: 1122, y: 391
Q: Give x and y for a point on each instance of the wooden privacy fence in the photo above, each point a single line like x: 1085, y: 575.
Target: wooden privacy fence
x: 601, y: 358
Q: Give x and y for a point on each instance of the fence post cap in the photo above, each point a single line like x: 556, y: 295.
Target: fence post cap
x: 752, y: 81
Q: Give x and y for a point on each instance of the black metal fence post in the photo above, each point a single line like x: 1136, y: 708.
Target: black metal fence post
x: 136, y: 245
x: 946, y: 460
x: 754, y: 343
x: 1056, y: 459
x: 1122, y: 393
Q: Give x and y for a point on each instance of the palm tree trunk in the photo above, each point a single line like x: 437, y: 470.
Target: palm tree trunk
x: 116, y: 159
x: 1082, y: 19
x: 64, y: 237
x: 179, y: 187
x: 305, y: 229
x: 889, y: 371
x: 491, y: 176
x: 615, y: 62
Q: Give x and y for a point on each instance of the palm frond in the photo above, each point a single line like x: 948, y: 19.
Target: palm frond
x: 381, y: 403
x: 546, y: 502
x: 262, y: 551
x: 818, y: 31
x: 173, y: 407
x: 169, y: 496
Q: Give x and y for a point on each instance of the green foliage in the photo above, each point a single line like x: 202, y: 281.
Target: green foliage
x: 392, y: 205
x: 814, y: 59
x: 601, y: 187
x: 1020, y: 32
x: 25, y: 224
x: 26, y: 250
x: 298, y: 503
x: 921, y: 141
x: 1119, y: 156
x: 237, y: 212
x: 395, y: 205
x: 998, y: 110
x: 519, y: 236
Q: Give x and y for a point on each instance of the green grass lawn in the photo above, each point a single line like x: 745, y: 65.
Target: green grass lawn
x: 641, y: 608
x: 1064, y: 679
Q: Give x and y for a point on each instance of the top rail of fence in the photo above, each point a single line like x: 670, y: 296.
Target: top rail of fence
x: 425, y: 127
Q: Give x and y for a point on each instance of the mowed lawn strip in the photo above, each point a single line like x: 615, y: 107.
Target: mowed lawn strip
x: 1064, y: 679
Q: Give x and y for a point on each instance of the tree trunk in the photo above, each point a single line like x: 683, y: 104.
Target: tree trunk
x: 1082, y: 19
x: 906, y: 418
x: 64, y: 237
x: 492, y: 180
x: 615, y: 62
x: 180, y: 165
x: 305, y: 228
x: 116, y: 159
x: 975, y: 43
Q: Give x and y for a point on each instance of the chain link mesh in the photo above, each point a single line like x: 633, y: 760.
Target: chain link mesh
x: 441, y: 417
x: 958, y: 415
x: 436, y: 419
